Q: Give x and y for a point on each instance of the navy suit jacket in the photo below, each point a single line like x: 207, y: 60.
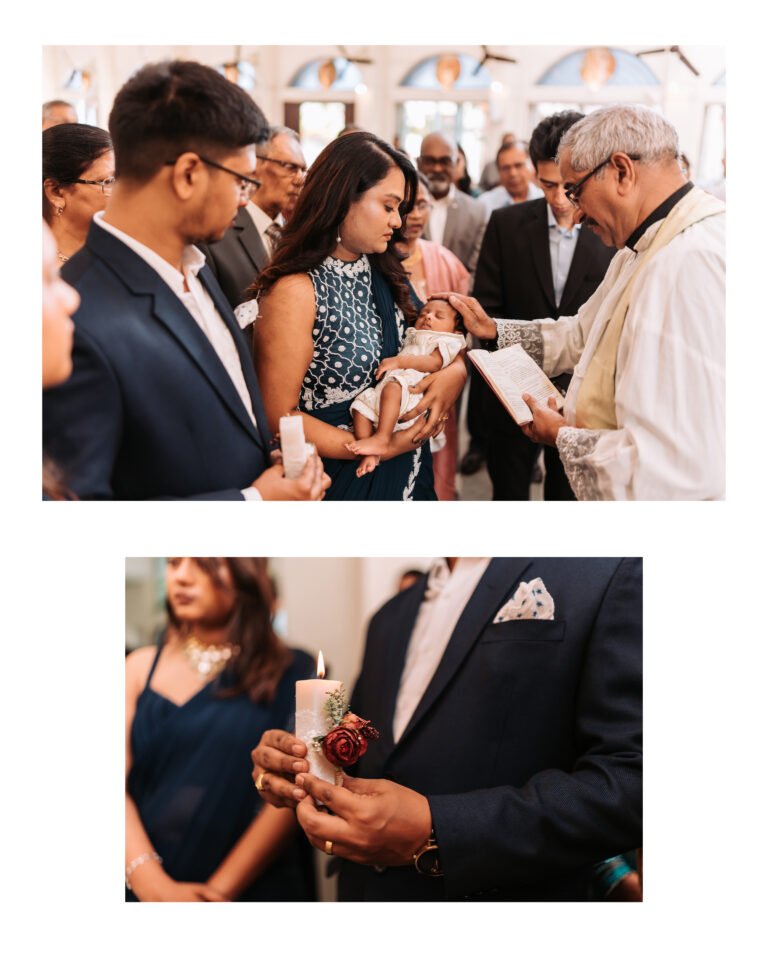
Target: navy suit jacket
x: 527, y: 742
x: 149, y: 411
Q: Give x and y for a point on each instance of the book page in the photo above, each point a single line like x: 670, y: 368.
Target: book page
x: 511, y: 373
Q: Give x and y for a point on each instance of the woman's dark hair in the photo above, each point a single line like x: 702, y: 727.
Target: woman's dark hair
x: 546, y: 138
x: 168, y: 108
x: 464, y: 183
x: 344, y: 171
x: 68, y: 150
x: 263, y: 657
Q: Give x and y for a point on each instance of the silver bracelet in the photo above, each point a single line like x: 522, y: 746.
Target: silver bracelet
x: 137, y: 863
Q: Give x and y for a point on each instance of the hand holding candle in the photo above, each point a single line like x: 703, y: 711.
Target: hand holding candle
x: 294, y: 448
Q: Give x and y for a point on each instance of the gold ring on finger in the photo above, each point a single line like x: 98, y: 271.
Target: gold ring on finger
x: 328, y: 848
x: 260, y: 781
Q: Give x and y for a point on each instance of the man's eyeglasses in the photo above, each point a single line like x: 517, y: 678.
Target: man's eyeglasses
x: 574, y: 191
x: 105, y: 185
x: 292, y: 169
x: 437, y: 161
x: 247, y: 184
x: 422, y: 205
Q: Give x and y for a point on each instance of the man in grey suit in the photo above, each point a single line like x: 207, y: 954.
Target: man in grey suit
x: 246, y: 248
x: 457, y: 220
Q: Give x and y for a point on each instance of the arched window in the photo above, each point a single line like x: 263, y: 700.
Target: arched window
x: 617, y: 68
x: 448, y: 72
x: 335, y: 73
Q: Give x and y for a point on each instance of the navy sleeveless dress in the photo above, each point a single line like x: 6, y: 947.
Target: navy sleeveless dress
x: 357, y: 324
x: 191, y: 780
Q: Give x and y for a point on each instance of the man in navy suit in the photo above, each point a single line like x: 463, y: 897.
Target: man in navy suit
x: 510, y: 752
x: 536, y: 261
x: 163, y: 401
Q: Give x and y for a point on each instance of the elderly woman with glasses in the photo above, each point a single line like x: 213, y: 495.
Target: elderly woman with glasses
x: 432, y: 267
x: 78, y: 173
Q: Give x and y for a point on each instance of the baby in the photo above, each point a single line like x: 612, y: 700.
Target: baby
x: 435, y: 341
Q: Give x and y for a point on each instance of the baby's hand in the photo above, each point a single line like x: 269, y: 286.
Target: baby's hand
x: 390, y: 363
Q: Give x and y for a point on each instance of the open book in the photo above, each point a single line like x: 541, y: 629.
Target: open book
x: 510, y: 373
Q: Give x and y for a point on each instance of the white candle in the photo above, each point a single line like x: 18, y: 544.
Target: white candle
x: 312, y: 719
x: 293, y: 446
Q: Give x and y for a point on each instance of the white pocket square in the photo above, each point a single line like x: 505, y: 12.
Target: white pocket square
x: 530, y: 602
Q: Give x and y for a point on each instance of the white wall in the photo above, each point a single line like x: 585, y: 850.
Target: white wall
x: 329, y: 601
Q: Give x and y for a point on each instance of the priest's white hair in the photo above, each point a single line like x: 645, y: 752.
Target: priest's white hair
x: 637, y: 131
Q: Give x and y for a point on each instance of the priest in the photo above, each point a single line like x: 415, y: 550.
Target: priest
x: 644, y: 416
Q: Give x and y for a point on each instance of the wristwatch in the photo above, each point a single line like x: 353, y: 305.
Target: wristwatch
x: 427, y: 858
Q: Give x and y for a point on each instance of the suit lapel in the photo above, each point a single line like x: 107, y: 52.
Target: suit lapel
x: 397, y: 649
x: 493, y: 589
x: 250, y: 240
x: 538, y: 238
x: 246, y: 360
x: 579, y: 266
x: 451, y: 223
x: 168, y: 310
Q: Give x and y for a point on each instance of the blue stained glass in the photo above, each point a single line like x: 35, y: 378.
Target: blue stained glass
x: 348, y: 76
x: 424, y: 75
x: 630, y: 71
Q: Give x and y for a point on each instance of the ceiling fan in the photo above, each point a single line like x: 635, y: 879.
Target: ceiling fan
x: 350, y: 59
x: 675, y: 49
x: 487, y: 55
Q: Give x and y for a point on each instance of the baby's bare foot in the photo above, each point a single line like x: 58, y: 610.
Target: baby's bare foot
x: 367, y: 465
x: 378, y: 446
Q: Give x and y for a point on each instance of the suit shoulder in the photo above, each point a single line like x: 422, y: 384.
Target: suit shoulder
x: 391, y: 607
x: 518, y: 213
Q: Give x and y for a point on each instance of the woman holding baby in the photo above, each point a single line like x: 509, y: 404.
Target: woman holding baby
x: 334, y: 303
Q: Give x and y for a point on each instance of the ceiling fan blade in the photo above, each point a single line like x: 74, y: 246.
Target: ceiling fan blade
x: 688, y: 63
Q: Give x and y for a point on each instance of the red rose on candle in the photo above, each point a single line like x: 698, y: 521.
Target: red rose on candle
x: 362, y: 726
x: 343, y: 746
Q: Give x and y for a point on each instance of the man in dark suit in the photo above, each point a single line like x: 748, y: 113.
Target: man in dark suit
x: 535, y: 262
x: 245, y: 249
x: 163, y: 401
x: 510, y: 751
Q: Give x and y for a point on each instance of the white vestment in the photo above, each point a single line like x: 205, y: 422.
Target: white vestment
x: 670, y: 372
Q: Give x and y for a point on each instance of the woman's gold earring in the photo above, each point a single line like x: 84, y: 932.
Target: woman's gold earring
x: 59, y: 211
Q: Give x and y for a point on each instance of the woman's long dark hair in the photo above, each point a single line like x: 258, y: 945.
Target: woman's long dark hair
x: 68, y: 150
x: 344, y: 171
x: 263, y: 657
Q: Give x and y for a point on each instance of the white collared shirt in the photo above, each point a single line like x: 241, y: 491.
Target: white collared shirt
x: 198, y: 302
x: 500, y: 197
x: 439, y: 215
x: 448, y: 592
x: 562, y: 246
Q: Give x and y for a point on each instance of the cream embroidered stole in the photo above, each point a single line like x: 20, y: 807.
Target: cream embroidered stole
x: 596, y: 400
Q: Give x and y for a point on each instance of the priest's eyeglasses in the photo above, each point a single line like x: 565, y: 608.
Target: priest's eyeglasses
x: 104, y: 185
x: 247, y: 184
x: 574, y: 191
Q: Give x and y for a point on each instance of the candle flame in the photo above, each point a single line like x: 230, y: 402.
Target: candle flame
x: 320, y: 665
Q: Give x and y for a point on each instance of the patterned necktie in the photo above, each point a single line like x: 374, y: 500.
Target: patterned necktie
x: 274, y: 231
